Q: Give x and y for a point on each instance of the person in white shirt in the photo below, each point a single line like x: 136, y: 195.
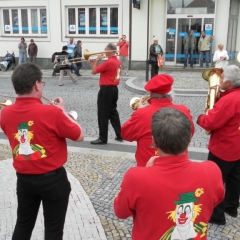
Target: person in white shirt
x: 220, y: 57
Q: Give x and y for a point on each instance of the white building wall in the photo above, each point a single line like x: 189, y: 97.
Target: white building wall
x: 221, y: 23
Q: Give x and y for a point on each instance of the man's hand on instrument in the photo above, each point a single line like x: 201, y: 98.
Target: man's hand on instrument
x: 100, y: 57
x: 143, y: 103
x: 59, y: 103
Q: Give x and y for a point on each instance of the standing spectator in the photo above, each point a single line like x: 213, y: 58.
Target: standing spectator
x: 155, y: 50
x: 173, y: 197
x: 37, y: 135
x: 32, y: 51
x: 138, y: 127
x: 224, y: 123
x: 204, y: 48
x: 108, y: 94
x: 22, y: 46
x: 220, y: 57
x: 189, y: 43
x: 78, y: 54
x: 123, y: 53
x: 66, y: 67
x: 70, y: 47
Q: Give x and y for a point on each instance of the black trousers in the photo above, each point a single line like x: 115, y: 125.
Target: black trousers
x: 231, y: 178
x: 154, y: 70
x: 107, y: 110
x: 52, y: 189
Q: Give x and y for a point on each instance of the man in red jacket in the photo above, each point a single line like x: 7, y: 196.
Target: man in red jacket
x: 37, y: 135
x: 138, y: 127
x: 173, y: 198
x: 224, y: 123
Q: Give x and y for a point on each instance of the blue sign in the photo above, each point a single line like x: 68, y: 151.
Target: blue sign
x: 182, y: 34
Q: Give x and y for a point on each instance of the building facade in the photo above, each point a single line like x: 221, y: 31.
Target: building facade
x: 96, y: 23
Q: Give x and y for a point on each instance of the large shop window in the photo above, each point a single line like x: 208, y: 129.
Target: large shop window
x: 25, y: 21
x: 91, y: 21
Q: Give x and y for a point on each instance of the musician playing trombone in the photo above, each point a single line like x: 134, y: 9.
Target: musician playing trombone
x: 137, y: 128
x: 108, y: 93
x: 37, y: 135
x: 224, y: 123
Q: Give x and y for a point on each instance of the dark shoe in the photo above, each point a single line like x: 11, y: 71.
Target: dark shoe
x: 80, y: 74
x: 98, y: 141
x: 184, y: 66
x: 77, y: 74
x: 191, y: 66
x: 61, y: 85
x: 217, y: 222
x: 231, y: 213
x: 118, y: 139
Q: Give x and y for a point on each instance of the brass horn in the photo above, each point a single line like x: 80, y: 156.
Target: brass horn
x: 212, y: 76
x: 134, y: 102
x: 72, y: 114
x: 87, y: 54
x: 5, y: 103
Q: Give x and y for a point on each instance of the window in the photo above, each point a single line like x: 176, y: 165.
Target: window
x: 97, y: 21
x: 24, y: 21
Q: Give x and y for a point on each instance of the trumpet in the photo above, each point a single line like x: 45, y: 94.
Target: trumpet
x: 72, y: 114
x: 5, y: 103
x: 134, y: 102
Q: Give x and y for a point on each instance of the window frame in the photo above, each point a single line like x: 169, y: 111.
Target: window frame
x: 30, y: 30
x: 98, y: 12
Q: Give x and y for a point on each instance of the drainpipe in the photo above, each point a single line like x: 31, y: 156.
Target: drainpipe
x: 147, y: 61
x: 130, y: 34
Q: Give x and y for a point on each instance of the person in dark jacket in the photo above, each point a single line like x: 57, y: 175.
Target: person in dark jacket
x: 155, y: 50
x: 32, y: 51
x: 78, y: 50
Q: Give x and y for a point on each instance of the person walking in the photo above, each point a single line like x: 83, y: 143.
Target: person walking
x: 64, y: 55
x: 22, y: 46
x: 173, y: 197
x: 138, y: 127
x: 37, y: 135
x: 204, y: 48
x: 32, y: 51
x: 108, y: 93
x: 155, y: 51
x: 78, y: 54
x: 224, y: 149
x: 123, y: 53
x: 70, y: 47
x: 189, y: 43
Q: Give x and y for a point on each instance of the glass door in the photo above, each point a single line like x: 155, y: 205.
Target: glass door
x: 184, y: 25
x: 177, y: 29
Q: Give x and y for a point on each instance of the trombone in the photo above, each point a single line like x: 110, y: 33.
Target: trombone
x: 86, y: 55
x: 6, y: 102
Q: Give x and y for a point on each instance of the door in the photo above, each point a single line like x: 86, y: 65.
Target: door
x: 184, y: 25
x: 177, y: 29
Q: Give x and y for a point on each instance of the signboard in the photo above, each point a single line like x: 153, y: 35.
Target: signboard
x: 72, y: 28
x: 136, y: 4
x: 208, y: 29
x: 7, y: 28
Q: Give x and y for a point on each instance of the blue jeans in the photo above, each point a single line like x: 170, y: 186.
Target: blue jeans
x: 189, y: 53
x: 206, y: 54
x: 22, y: 58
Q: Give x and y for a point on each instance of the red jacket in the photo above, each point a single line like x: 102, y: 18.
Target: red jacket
x: 138, y: 127
x: 224, y: 122
x: 172, y: 195
x: 36, y: 134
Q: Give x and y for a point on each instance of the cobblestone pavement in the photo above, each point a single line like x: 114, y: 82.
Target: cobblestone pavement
x: 95, y: 173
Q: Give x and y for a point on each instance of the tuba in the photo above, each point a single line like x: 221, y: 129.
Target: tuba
x: 135, y: 101
x: 212, y: 76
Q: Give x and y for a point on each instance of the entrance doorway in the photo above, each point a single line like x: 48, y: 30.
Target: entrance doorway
x: 177, y: 29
